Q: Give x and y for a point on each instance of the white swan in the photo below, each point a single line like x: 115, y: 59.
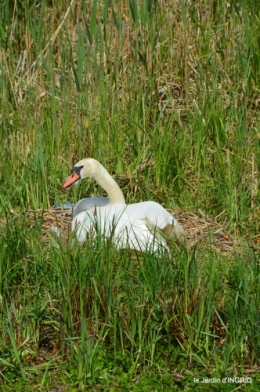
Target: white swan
x: 142, y: 226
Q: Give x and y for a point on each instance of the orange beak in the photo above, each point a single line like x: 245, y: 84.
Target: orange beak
x: 70, y: 181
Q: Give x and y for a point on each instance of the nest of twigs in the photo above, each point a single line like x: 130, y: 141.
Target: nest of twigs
x: 201, y: 230
x: 51, y: 220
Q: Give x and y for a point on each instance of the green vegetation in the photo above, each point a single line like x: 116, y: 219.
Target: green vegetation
x: 165, y: 94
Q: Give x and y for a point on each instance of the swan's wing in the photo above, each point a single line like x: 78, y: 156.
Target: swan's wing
x: 156, y: 217
x: 88, y: 203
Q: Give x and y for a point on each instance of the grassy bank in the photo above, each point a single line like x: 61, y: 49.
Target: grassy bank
x: 166, y: 95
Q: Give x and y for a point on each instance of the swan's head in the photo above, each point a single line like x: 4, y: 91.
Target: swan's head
x: 85, y: 168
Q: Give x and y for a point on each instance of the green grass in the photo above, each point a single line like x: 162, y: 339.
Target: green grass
x: 166, y: 95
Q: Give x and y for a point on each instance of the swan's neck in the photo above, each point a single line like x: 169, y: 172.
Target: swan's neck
x: 104, y: 179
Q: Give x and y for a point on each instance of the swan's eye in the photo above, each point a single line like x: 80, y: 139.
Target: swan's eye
x: 76, y: 169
